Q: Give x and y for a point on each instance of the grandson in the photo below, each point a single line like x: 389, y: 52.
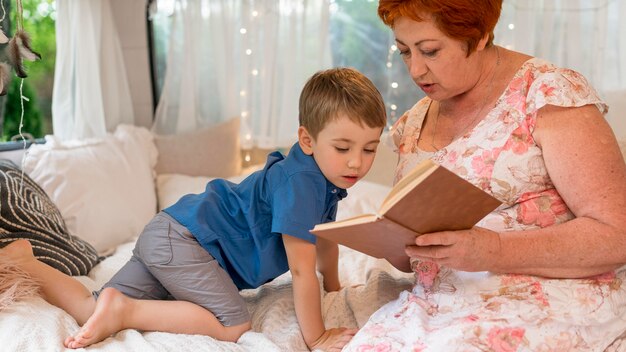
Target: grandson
x: 191, y: 260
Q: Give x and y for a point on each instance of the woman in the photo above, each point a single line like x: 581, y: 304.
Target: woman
x: 546, y: 269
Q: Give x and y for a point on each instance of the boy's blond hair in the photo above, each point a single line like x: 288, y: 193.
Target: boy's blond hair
x: 330, y: 93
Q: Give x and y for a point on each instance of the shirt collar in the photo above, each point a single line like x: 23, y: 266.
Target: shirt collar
x: 308, y: 162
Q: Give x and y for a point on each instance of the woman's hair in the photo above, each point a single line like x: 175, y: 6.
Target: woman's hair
x: 464, y: 20
x: 330, y: 93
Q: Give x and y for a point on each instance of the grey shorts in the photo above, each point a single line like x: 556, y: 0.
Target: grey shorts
x: 169, y: 263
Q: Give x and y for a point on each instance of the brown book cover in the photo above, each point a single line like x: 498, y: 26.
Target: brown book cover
x: 430, y: 198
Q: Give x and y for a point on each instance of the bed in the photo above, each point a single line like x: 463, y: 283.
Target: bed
x: 32, y: 324
x: 35, y: 325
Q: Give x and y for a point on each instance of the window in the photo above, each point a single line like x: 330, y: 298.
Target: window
x: 361, y: 40
x: 38, y: 22
x: 357, y: 38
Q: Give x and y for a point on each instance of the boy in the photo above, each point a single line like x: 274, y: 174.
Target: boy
x: 191, y: 260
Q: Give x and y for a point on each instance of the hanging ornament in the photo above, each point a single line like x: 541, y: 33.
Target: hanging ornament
x: 20, y: 50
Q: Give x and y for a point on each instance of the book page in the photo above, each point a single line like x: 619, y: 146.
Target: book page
x: 419, y: 172
x: 360, y: 219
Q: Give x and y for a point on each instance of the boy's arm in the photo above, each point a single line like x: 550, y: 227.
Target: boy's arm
x: 327, y: 259
x: 307, y: 299
x: 306, y: 291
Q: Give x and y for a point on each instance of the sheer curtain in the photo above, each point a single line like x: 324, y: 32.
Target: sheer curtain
x: 91, y: 94
x: 247, y: 58
x: 586, y: 35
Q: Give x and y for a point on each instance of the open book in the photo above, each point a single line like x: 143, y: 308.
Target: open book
x: 430, y: 198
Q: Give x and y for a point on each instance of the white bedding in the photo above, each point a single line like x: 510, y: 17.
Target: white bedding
x: 35, y: 325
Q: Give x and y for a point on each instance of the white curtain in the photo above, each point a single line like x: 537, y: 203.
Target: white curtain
x: 247, y: 58
x: 586, y: 35
x: 91, y: 94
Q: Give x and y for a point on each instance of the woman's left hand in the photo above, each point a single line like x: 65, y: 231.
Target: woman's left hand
x: 476, y: 249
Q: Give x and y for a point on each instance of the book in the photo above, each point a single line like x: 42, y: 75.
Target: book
x: 430, y: 198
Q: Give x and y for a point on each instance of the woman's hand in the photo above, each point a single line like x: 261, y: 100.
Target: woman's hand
x: 477, y: 249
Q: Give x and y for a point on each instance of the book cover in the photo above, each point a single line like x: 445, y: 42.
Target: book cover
x: 430, y: 198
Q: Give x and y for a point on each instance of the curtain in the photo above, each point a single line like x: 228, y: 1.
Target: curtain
x: 91, y: 94
x: 588, y: 36
x: 245, y: 58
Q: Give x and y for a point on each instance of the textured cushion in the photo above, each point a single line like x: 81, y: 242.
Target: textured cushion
x: 104, y: 187
x: 213, y: 151
x: 27, y: 212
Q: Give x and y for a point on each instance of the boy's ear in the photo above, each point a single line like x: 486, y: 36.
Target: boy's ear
x: 305, y: 140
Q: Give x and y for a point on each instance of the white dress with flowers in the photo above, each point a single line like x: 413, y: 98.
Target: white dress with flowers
x: 450, y: 310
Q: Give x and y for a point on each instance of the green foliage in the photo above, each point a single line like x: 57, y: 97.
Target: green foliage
x: 33, y: 123
x: 39, y: 23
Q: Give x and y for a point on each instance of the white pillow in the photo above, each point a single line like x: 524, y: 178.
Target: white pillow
x: 171, y: 187
x: 103, y: 187
x: 363, y: 198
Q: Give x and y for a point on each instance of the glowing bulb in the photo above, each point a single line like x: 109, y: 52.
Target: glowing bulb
x: 243, y: 31
x: 511, y: 26
x: 244, y: 114
x: 255, y: 13
x: 394, y: 47
x: 394, y: 107
x: 389, y: 64
x: 394, y: 84
x: 248, y: 51
x: 242, y: 93
x: 255, y: 72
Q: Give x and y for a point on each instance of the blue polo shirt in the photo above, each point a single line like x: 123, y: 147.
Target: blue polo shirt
x: 241, y: 224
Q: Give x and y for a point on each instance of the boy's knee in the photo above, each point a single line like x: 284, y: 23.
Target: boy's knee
x: 233, y: 333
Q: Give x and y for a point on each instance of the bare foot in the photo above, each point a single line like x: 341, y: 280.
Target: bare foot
x: 18, y: 251
x: 106, y: 320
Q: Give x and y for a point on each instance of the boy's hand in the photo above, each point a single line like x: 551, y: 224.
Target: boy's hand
x: 333, y: 339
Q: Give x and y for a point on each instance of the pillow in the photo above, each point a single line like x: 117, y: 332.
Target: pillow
x: 104, y: 187
x: 363, y: 198
x: 27, y: 212
x: 171, y: 187
x: 212, y: 151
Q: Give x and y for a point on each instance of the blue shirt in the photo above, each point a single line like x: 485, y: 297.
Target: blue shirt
x: 241, y: 225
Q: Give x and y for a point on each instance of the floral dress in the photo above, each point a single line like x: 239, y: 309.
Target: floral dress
x: 449, y: 310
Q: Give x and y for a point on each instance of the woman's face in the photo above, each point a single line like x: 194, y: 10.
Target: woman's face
x: 437, y: 63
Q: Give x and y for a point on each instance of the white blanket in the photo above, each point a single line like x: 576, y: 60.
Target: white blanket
x: 35, y: 325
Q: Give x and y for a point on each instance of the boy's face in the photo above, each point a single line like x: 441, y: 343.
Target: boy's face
x: 343, y: 150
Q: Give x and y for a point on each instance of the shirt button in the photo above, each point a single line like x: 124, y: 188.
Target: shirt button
x: 334, y: 191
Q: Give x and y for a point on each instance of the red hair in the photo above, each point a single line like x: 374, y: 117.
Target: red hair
x: 464, y: 20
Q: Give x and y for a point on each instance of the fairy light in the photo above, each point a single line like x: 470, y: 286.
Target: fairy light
x: 511, y: 26
x: 248, y: 52
x: 394, y: 85
x: 255, y: 72
x: 243, y: 31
